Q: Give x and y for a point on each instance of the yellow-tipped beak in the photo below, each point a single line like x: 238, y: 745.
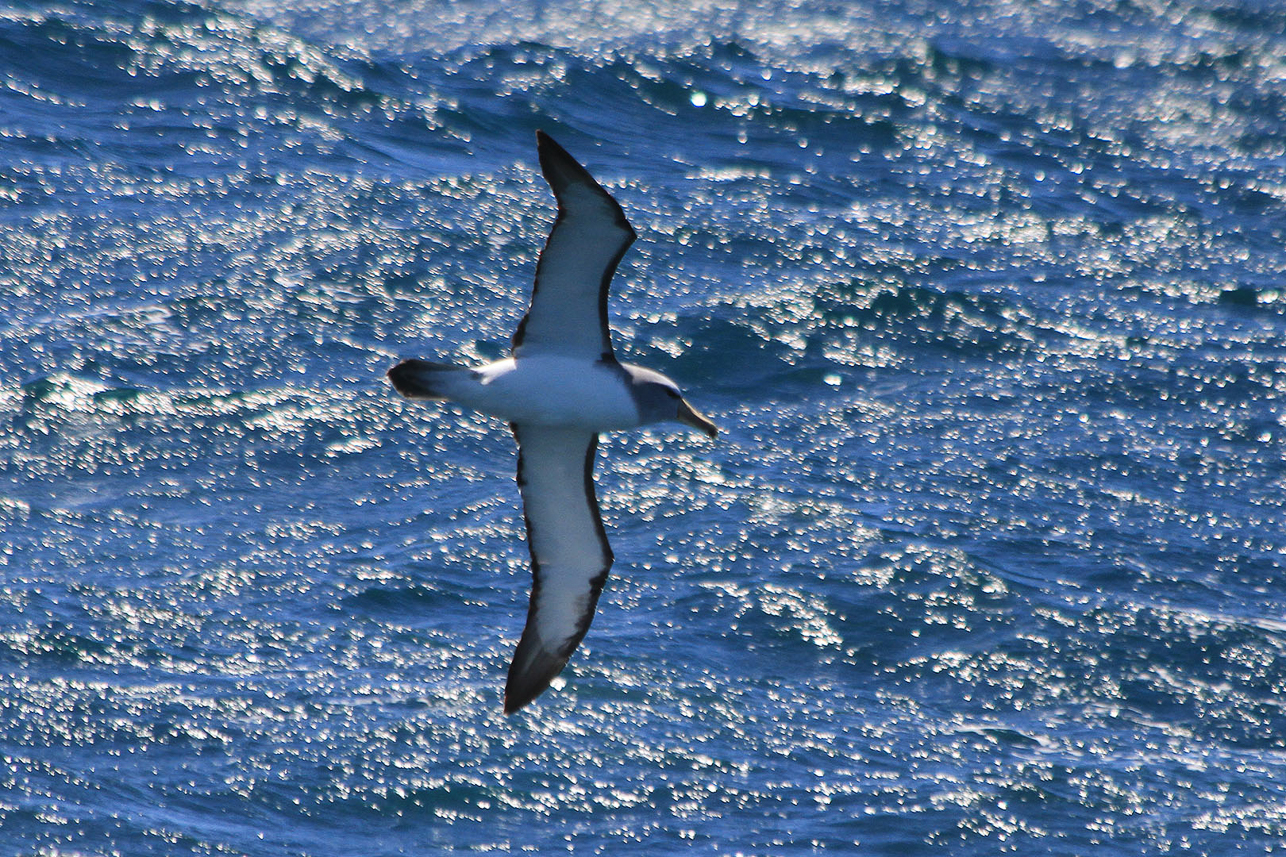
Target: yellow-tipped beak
x: 689, y: 415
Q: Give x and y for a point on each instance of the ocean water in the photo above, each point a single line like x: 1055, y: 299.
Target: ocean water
x: 987, y: 298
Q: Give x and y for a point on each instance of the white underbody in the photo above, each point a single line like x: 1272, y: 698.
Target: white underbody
x: 549, y: 390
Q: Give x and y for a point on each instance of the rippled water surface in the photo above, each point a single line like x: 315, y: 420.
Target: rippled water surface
x: 986, y: 296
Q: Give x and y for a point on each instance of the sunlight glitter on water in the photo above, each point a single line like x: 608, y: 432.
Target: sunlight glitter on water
x: 984, y: 558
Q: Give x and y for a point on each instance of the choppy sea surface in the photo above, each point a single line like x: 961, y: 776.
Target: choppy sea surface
x: 987, y: 298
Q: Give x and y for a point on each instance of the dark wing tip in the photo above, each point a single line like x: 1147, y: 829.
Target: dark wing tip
x: 560, y: 169
x: 533, y: 668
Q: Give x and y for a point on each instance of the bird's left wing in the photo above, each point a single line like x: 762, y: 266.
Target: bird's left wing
x: 570, y: 556
x: 568, y: 312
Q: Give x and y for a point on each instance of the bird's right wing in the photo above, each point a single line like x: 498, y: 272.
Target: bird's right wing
x: 570, y: 556
x: 568, y: 312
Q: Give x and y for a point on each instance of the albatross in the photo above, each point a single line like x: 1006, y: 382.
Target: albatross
x: 561, y: 387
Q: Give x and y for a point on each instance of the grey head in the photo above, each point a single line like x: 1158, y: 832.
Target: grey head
x: 658, y: 400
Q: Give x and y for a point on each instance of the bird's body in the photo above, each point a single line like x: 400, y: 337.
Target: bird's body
x: 561, y: 387
x: 543, y: 389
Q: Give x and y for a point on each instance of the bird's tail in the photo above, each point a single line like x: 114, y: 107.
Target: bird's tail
x: 421, y: 379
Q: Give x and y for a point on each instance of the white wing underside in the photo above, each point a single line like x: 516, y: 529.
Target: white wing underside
x: 570, y: 556
x: 568, y: 312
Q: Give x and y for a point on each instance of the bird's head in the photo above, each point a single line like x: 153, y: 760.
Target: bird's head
x: 659, y: 400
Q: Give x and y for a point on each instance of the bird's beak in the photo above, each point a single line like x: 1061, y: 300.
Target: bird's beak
x: 689, y: 415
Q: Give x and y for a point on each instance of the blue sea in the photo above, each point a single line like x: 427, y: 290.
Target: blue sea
x: 987, y: 298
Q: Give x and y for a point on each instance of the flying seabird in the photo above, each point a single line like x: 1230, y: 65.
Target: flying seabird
x: 559, y: 389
